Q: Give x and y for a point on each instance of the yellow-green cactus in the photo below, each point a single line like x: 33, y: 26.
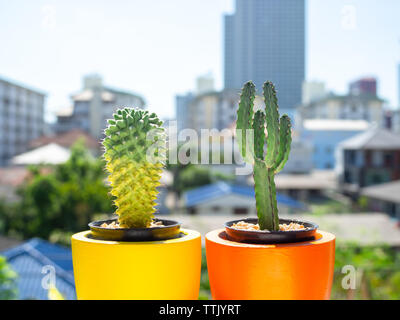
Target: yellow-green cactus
x: 134, y: 173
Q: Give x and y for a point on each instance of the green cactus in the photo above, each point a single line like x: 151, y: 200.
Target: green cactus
x: 134, y: 174
x: 265, y: 164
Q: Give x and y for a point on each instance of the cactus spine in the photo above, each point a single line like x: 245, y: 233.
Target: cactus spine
x: 265, y: 164
x: 133, y: 178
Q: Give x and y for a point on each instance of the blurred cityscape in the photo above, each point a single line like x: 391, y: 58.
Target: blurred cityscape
x: 343, y: 171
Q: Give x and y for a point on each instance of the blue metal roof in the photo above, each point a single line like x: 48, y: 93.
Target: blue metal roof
x: 28, y: 259
x: 219, y: 189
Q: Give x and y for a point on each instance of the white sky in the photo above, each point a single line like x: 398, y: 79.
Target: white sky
x: 157, y: 47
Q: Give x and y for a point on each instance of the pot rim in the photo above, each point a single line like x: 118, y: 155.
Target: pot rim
x: 314, y: 226
x: 93, y: 224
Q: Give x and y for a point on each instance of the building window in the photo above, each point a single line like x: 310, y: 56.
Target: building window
x: 377, y: 158
x: 347, y: 177
x: 391, y: 209
x: 351, y: 157
x: 388, y: 160
x: 376, y: 178
x: 359, y: 158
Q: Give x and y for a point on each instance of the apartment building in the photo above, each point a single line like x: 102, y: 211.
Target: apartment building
x: 93, y: 106
x: 21, y: 118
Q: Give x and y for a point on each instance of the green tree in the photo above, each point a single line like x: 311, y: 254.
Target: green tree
x: 83, y: 189
x: 59, y: 199
x: 8, y: 285
x: 192, y: 176
x: 189, y: 176
x: 378, y: 272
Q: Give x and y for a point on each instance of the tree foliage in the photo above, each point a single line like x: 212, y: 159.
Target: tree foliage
x: 191, y: 176
x: 62, y: 198
x: 8, y: 286
x: 377, y: 272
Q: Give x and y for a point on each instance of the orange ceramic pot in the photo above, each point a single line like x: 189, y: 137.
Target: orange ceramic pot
x: 299, y: 271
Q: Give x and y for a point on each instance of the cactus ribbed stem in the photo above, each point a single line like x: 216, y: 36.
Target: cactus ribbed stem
x: 133, y: 178
x: 259, y: 136
x: 264, y: 188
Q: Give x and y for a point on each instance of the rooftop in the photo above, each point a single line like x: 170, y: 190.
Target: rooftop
x: 28, y: 260
x: 315, y: 180
x: 334, y: 124
x: 8, y: 243
x: 21, y: 85
x: 48, y: 154
x: 386, y: 191
x: 65, y: 111
x: 107, y: 94
x: 87, y: 95
x: 378, y: 139
x: 66, y: 139
x: 364, y: 98
x: 13, y: 176
x: 216, y: 190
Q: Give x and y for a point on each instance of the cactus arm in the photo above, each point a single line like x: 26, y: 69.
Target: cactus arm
x: 264, y: 188
x: 259, y: 134
x: 245, y: 121
x: 285, y: 141
x: 134, y: 180
x: 272, y: 119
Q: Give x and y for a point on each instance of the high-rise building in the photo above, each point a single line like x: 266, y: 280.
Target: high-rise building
x: 265, y: 40
x: 21, y: 118
x: 182, y: 103
x: 93, y: 106
x: 205, y: 84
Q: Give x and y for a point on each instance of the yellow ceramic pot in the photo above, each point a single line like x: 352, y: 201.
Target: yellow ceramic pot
x: 154, y: 270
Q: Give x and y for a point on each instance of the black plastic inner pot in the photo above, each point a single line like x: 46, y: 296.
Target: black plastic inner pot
x: 169, y: 230
x: 271, y: 237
